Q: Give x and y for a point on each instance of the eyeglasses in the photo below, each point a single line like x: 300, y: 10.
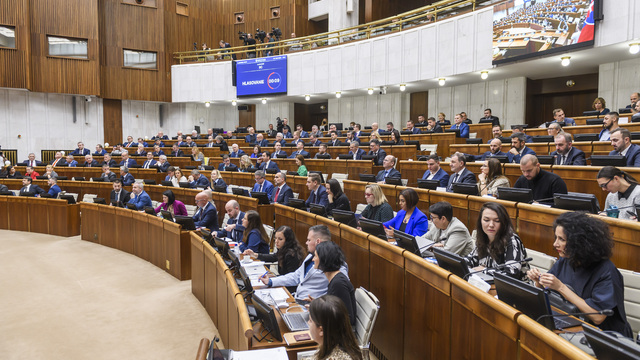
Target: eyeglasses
x: 367, y: 195
x: 604, y: 186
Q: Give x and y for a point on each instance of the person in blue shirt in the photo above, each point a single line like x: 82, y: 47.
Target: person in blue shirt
x: 459, y: 124
x: 263, y: 185
x: 558, y: 116
x: 139, y: 197
x: 303, y: 134
x: 126, y: 161
x: 197, y: 180
x: 100, y: 151
x: 126, y: 178
x: 518, y: 148
x: 318, y: 193
x: 409, y: 219
x: 254, y: 238
x: 71, y: 162
x: 54, y: 189
x: 236, y: 152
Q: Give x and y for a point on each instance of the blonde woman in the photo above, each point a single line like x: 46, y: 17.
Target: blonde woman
x: 196, y: 154
x: 245, y: 163
x: 378, y: 207
x: 216, y: 180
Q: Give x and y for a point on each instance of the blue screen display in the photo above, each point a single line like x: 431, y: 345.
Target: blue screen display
x: 262, y: 76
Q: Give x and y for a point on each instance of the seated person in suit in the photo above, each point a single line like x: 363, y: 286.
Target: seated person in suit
x: 518, y: 148
x: 279, y: 139
x: 59, y: 160
x: 162, y: 163
x: 389, y: 170
x: 460, y: 174
x: 158, y: 143
x: 496, y: 132
x: 197, y: 180
x: 107, y: 174
x: 126, y: 178
x: 170, y: 204
x: 351, y: 138
x: 118, y: 194
x: 520, y: 129
x: 314, y: 141
x: 378, y: 207
x: 283, y: 192
x: 254, y: 237
x: 190, y: 142
x: 150, y: 162
x: 89, y: 162
x: 554, y: 129
x: 234, y: 227
x: 211, y: 142
x: 71, y: 162
x: 624, y: 192
x: 140, y: 151
x: 375, y: 150
x: 311, y: 283
x: 448, y: 232
x: 30, y: 172
x: 180, y: 142
x: 226, y: 164
x: 495, y: 149
x: 489, y: 117
x: 32, y: 161
x: 54, y: 189
x: 139, y: 197
x: 28, y: 187
x: 296, y: 138
x: 261, y: 141
x: 271, y: 132
x: 277, y: 150
x: 223, y: 144
x: 286, y: 134
x: 267, y: 163
x: 322, y: 150
x: 109, y: 161
x: 544, y: 184
x: 251, y: 138
x: 465, y: 119
x: 236, y: 152
x: 558, y: 116
x: 3, y: 188
x: 81, y: 151
x: 609, y: 123
x: 100, y: 151
x: 216, y: 180
x: 432, y: 126
x: 459, y: 124
x: 337, y: 198
x: 206, y: 215
x: 411, y: 127
x: 303, y: 134
x: 160, y: 136
x: 299, y: 151
x: 263, y: 185
x: 127, y: 161
x: 129, y: 143
x: 334, y: 139
x: 49, y: 172
x: 175, y: 151
x: 621, y: 142
x: 333, y: 127
x: 12, y: 173
x: 354, y: 151
x: 409, y: 219
x: 565, y: 153
x: 318, y: 193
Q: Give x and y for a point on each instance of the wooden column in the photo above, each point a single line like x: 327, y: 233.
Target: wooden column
x: 112, y: 121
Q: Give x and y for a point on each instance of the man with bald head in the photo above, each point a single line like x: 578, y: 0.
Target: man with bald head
x: 495, y: 149
x: 542, y: 183
x: 233, y: 229
x: 206, y: 215
x: 634, y: 99
x: 389, y: 171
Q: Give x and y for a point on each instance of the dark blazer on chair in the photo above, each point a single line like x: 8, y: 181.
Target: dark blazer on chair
x: 440, y: 175
x: 574, y: 157
x: 633, y: 155
x: 35, y: 189
x: 285, y: 194
x: 124, y: 196
x: 467, y: 177
x: 393, y: 173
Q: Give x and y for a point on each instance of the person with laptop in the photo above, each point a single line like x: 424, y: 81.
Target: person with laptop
x: 206, y: 215
x: 318, y: 193
x: 378, y: 207
x: 139, y: 198
x: 233, y: 229
x: 330, y: 328
x: 328, y: 259
x: 337, y: 198
x: 447, y: 231
x: 409, y: 219
x: 497, y: 243
x: 262, y: 184
x: 584, y: 274
x: 310, y: 282
x: 118, y: 194
x: 435, y: 172
x: 624, y: 192
x: 254, y: 237
x: 389, y: 170
x: 491, y: 177
x: 217, y: 180
x: 170, y: 204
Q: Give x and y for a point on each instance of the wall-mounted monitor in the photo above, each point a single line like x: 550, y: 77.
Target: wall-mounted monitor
x: 263, y: 76
x: 531, y: 28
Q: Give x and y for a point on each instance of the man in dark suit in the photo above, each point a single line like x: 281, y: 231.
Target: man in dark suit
x: 300, y: 151
x: 318, y: 193
x: 150, y: 162
x: 109, y: 161
x: 233, y: 229
x: 621, y: 142
x: 411, y: 127
x: 314, y: 141
x: 118, y: 194
x: 197, y: 180
x: 435, y: 172
x: 277, y: 150
x: 279, y: 139
x: 495, y: 147
x: 226, y: 164
x: 433, y: 126
x: 460, y: 174
x: 126, y: 178
x: 54, y: 189
x: 32, y: 161
x: 251, y: 138
x: 160, y: 136
x: 489, y: 117
x: 286, y: 134
x: 263, y: 185
x: 126, y: 161
x: 333, y: 127
x: 271, y: 132
x: 89, y: 162
x: 207, y: 215
x: 518, y: 148
x: 355, y: 152
x: 334, y: 139
x: 565, y: 153
x: 139, y: 197
x: 389, y: 171
x: 59, y: 160
x: 303, y: 134
x: 267, y: 163
x: 81, y: 150
x: 28, y: 187
x: 175, y: 150
x: 71, y: 162
x: 296, y: 138
x: 129, y: 143
x: 496, y: 132
x: 322, y: 150
x: 163, y: 164
x: 380, y: 154
x: 236, y: 152
x: 283, y: 192
x: 261, y: 141
x: 107, y: 174
x: 181, y: 142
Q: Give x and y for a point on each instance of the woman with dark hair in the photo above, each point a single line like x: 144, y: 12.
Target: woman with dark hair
x: 409, y: 219
x: 302, y: 168
x: 12, y: 173
x: 254, y: 236
x: 491, y: 178
x: 378, y: 208
x: 584, y: 275
x: 290, y: 254
x: 395, y: 137
x: 624, y: 192
x: 337, y: 198
x: 330, y: 328
x: 169, y: 203
x: 328, y: 259
x: 257, y: 152
x: 497, y: 243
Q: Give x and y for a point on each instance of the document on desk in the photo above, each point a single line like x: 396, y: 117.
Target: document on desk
x: 278, y: 294
x: 279, y: 353
x: 253, y: 268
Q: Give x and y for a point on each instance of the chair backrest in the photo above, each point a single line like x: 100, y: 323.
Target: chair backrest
x: 541, y: 260
x: 632, y: 298
x: 89, y: 198
x: 270, y: 230
x: 295, y: 195
x: 339, y: 176
x: 360, y: 208
x: 367, y: 308
x: 75, y: 196
x: 431, y: 148
x: 191, y: 209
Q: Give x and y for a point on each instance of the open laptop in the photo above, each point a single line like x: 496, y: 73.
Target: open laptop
x: 455, y: 264
x: 296, y: 321
x: 410, y: 243
x: 166, y: 215
x: 532, y: 301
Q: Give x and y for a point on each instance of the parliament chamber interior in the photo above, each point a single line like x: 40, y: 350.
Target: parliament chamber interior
x: 450, y: 179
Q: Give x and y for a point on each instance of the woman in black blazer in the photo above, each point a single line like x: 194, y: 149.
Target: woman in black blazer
x: 337, y: 198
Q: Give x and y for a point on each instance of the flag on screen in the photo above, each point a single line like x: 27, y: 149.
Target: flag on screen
x: 586, y: 34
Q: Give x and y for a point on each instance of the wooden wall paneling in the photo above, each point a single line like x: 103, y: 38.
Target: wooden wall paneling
x: 197, y: 268
x: 66, y: 18
x: 476, y: 202
x: 90, y: 221
x: 15, y: 63
x: 535, y: 226
x: 112, y: 121
x: 221, y: 299
x: 38, y: 216
x: 537, y: 342
x: 304, y: 220
x: 108, y: 231
x: 156, y: 243
x: 140, y: 236
x: 124, y: 224
x: 286, y: 216
x: 64, y: 219
x: 355, y: 245
x: 334, y: 228
x: 419, y: 105
x: 627, y: 244
x: 4, y: 213
x: 211, y: 281
x: 247, y: 117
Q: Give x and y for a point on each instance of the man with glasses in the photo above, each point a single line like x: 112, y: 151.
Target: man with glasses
x: 206, y: 216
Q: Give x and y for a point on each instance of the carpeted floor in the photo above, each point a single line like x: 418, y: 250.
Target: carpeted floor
x: 65, y: 298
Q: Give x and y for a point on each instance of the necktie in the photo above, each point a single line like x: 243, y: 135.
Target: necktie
x: 118, y: 196
x: 261, y: 187
x: 146, y: 165
x: 277, y: 193
x: 55, y: 162
x: 386, y: 173
x: 455, y: 180
x: 313, y: 197
x: 564, y: 158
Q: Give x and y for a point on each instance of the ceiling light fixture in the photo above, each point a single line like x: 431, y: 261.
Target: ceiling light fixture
x: 338, y: 94
x: 370, y: 91
x: 264, y: 101
x: 307, y: 97
x: 234, y: 103
x: 634, y: 48
x: 566, y: 60
x: 403, y: 87
x: 484, y: 75
x: 207, y: 104
x: 441, y: 81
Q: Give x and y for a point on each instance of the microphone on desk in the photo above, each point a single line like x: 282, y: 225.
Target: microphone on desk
x: 617, y: 208
x: 606, y: 312
x: 498, y: 267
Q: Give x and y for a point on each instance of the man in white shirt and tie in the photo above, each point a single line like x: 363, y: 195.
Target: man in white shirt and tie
x: 32, y: 161
x: 149, y: 162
